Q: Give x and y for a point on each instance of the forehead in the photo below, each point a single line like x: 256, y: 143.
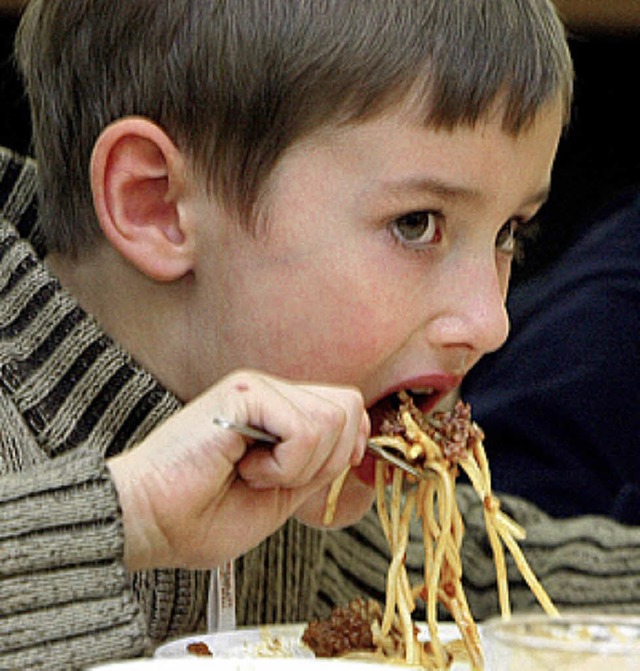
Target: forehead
x: 397, y: 153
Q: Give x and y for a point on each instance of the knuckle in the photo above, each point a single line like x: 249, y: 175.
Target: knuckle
x: 333, y: 418
x: 353, y: 399
x: 310, y: 435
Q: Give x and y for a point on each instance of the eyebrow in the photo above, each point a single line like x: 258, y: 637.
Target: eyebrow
x: 450, y: 190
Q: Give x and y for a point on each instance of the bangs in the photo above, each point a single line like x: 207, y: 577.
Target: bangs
x: 465, y: 59
x: 330, y: 63
x: 498, y: 60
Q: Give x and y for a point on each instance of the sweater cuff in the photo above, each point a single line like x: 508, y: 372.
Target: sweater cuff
x: 61, y: 573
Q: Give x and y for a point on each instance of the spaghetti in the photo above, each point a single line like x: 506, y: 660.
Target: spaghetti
x: 444, y: 444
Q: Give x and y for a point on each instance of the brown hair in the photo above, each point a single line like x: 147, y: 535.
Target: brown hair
x: 236, y: 82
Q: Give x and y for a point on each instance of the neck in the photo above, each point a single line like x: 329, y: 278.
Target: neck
x: 129, y: 307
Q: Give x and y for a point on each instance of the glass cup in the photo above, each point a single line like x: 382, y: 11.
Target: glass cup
x: 573, y: 642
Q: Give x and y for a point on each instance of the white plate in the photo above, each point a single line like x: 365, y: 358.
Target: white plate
x: 245, y: 664
x: 282, y: 642
x: 248, y: 664
x: 269, y: 641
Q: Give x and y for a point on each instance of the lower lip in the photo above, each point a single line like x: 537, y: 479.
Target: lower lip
x: 366, y: 471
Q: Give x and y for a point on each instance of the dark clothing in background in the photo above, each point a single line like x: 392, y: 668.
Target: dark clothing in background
x: 560, y: 402
x: 599, y: 155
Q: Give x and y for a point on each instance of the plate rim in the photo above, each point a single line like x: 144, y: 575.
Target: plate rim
x: 450, y: 630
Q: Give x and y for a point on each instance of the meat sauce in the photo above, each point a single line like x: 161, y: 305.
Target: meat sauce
x: 345, y: 630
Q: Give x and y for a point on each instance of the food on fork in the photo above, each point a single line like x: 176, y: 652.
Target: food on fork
x: 444, y: 442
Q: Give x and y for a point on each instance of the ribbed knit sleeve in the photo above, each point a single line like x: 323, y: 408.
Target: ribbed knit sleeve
x: 65, y: 597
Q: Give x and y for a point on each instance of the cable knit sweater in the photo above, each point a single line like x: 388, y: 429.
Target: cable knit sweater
x: 70, y: 397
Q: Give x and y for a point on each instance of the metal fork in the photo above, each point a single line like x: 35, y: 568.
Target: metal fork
x: 379, y: 452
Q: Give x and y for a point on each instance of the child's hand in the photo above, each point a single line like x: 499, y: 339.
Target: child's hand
x: 194, y: 494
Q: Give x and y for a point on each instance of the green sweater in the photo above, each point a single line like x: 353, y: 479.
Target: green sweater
x: 70, y: 397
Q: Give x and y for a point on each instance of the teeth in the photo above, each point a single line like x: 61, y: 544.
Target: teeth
x: 426, y: 391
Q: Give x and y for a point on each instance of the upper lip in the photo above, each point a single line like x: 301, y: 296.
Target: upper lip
x: 440, y: 383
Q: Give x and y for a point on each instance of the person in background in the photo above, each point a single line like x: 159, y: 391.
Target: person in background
x: 279, y: 213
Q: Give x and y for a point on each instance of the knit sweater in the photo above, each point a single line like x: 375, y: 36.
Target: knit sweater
x: 70, y: 397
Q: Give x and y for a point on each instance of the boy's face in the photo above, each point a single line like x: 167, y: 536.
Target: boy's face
x: 382, y: 260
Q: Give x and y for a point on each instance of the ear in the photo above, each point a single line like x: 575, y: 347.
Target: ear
x: 138, y: 179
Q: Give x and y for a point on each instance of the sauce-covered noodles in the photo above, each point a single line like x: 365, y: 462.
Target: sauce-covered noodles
x: 444, y: 444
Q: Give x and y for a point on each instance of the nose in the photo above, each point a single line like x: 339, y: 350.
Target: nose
x: 472, y: 315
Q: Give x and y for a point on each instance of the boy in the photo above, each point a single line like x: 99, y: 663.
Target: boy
x: 245, y: 195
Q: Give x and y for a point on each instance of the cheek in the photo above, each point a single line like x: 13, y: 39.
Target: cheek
x: 329, y: 329
x: 337, y: 339
x: 309, y: 310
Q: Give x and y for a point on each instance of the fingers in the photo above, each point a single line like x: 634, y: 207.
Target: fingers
x: 190, y: 480
x: 322, y: 430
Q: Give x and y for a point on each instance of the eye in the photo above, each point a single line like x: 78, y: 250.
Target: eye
x: 416, y: 229
x: 507, y: 238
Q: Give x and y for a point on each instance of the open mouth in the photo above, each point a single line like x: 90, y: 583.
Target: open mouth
x: 387, y: 407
